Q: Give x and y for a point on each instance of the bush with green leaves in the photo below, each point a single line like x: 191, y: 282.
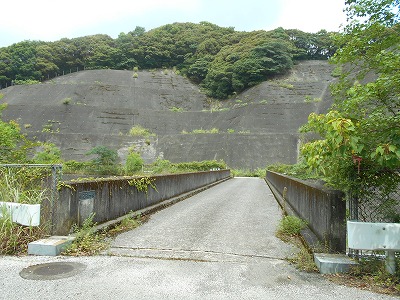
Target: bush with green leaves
x: 50, y: 154
x: 14, y: 145
x: 134, y: 162
x: 165, y: 166
x: 105, y: 162
x: 361, y: 132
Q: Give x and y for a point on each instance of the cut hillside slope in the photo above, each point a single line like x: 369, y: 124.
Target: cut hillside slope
x: 98, y: 107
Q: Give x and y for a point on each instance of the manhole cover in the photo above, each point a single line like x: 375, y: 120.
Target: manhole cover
x: 52, y: 271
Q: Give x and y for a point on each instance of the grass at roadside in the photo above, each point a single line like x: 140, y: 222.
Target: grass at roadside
x: 368, y: 275
x: 14, y: 238
x: 288, y: 230
x: 89, y: 241
x: 20, y: 185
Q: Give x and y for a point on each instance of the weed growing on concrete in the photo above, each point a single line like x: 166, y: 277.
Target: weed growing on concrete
x: 284, y: 84
x: 66, y: 101
x: 289, y: 231
x: 290, y: 226
x: 177, y: 109
x: 138, y: 130
x: 202, y: 131
x: 87, y: 240
x: 142, y: 184
x: 128, y: 223
x: 303, y: 259
x: 309, y: 99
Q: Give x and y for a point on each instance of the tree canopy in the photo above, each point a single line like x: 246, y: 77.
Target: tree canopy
x: 221, y: 59
x: 363, y: 127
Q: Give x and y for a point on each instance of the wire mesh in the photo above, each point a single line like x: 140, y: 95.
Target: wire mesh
x: 32, y: 184
x: 374, y: 197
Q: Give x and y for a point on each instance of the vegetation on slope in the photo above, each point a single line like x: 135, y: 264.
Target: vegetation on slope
x: 361, y: 133
x: 222, y: 60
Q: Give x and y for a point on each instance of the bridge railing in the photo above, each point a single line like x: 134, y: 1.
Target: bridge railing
x: 324, y: 209
x: 111, y: 198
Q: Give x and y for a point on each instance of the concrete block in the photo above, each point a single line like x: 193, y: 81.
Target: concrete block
x: 51, y: 246
x: 333, y: 263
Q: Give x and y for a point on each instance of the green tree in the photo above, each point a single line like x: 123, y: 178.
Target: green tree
x: 363, y: 126
x: 50, y: 154
x: 105, y: 161
x: 256, y: 57
x: 134, y: 162
x: 13, y: 144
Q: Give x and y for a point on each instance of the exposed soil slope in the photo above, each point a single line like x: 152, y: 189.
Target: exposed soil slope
x: 82, y: 110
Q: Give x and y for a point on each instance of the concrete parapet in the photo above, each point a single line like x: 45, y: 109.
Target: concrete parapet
x: 324, y: 209
x: 114, y: 197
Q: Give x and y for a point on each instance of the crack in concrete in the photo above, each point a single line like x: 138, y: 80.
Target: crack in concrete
x: 213, y: 252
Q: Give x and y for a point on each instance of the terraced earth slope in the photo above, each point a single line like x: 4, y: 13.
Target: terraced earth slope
x: 82, y: 110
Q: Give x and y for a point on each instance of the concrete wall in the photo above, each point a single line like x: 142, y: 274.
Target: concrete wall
x: 112, y: 198
x: 322, y: 208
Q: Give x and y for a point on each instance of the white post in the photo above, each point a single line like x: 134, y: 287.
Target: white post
x: 390, y: 262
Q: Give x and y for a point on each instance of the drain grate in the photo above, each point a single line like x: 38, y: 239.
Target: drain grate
x: 52, y: 271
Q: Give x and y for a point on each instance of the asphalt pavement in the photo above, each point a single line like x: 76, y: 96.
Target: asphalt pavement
x: 218, y: 244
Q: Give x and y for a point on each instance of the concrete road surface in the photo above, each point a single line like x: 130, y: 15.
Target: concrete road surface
x: 219, y: 244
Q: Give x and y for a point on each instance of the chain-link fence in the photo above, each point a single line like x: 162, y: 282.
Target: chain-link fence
x: 32, y: 184
x: 374, y: 197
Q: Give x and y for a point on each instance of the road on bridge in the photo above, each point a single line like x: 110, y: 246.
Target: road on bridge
x: 233, y: 221
x: 218, y: 244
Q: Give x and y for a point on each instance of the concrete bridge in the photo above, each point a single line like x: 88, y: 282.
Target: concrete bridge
x: 218, y: 244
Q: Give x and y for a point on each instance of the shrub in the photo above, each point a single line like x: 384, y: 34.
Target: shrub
x: 134, y: 162
x: 106, y: 161
x: 49, y: 155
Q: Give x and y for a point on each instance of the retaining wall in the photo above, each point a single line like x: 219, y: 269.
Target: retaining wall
x: 113, y: 198
x: 324, y: 209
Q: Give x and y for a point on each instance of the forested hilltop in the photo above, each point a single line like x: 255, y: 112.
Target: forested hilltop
x: 223, y: 61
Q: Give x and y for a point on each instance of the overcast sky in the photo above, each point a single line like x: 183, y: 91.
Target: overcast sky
x: 51, y: 20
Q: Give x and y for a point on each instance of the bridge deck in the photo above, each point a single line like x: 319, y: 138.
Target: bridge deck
x: 235, y: 220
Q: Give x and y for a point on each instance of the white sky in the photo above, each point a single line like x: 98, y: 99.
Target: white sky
x: 51, y: 20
